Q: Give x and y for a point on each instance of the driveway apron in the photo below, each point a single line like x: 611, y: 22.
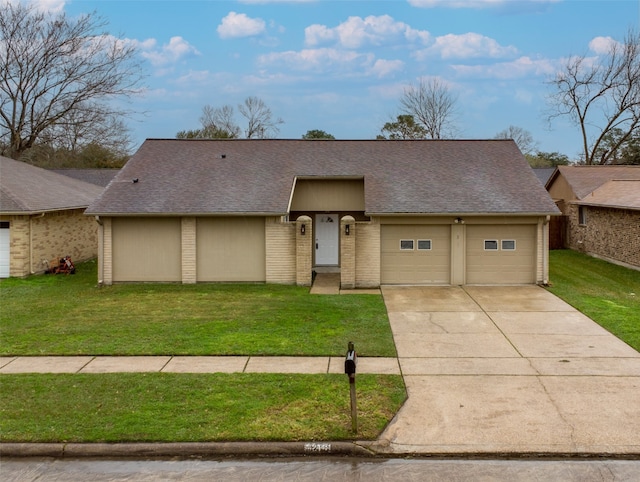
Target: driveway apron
x: 508, y: 369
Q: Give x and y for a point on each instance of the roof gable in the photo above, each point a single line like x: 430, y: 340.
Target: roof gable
x: 171, y: 176
x: 26, y: 189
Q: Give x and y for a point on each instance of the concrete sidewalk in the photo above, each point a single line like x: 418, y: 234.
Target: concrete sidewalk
x: 193, y: 364
x: 512, y: 370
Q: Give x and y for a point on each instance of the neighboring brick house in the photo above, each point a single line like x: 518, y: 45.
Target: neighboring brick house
x: 601, y: 205
x: 41, y: 218
x: 378, y: 212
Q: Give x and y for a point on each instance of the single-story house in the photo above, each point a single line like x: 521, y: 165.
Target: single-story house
x: 446, y: 212
x: 601, y: 207
x: 41, y: 218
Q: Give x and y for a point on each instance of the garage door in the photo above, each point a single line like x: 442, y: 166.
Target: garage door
x: 146, y: 249
x: 231, y: 249
x: 502, y: 254
x: 415, y: 254
x: 5, y: 247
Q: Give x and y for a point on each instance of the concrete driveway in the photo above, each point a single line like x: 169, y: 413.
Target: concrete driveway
x: 510, y: 369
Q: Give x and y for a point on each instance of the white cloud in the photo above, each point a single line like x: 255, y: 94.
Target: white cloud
x: 332, y: 60
x: 603, y: 45
x: 469, y: 45
x: 357, y: 32
x: 236, y: 25
x: 521, y: 67
x: 177, y: 49
x: 50, y: 6
x: 383, y: 68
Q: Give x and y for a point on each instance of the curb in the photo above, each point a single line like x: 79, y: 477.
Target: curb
x: 189, y: 449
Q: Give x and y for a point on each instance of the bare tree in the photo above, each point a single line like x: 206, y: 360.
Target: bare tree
x: 260, y: 121
x: 521, y: 137
x: 432, y: 106
x: 219, y: 122
x: 56, y: 71
x: 600, y: 96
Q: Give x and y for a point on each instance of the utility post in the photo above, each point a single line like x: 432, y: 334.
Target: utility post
x: 350, y: 363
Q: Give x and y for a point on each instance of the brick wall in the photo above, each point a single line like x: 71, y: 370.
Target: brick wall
x: 37, y: 240
x: 609, y: 233
x: 280, y: 239
x: 188, y: 241
x: 368, y: 254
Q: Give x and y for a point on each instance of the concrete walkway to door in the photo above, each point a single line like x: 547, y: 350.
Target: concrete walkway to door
x: 508, y: 370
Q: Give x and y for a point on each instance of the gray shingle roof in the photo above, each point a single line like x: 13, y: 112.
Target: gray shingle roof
x: 586, y: 179
x: 256, y: 176
x: 99, y: 177
x: 27, y: 189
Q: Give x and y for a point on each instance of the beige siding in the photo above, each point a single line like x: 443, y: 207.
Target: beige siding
x: 368, y: 254
x: 38, y: 239
x: 328, y: 195
x: 432, y: 266
x: 146, y: 249
x: 231, y: 249
x: 501, y: 266
x: 280, y: 251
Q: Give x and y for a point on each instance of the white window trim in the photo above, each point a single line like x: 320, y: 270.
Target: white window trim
x: 502, y: 241
x: 491, y: 249
x: 407, y: 249
x: 425, y: 249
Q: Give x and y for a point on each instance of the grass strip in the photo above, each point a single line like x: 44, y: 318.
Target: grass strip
x: 70, y: 315
x: 607, y: 293
x: 156, y: 407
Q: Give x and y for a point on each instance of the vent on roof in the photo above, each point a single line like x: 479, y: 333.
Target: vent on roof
x: 223, y: 156
x: 135, y: 180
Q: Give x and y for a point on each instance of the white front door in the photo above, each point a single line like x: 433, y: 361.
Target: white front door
x: 327, y: 233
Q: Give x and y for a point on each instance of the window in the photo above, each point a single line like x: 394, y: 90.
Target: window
x: 582, y: 215
x: 491, y: 245
x: 508, y: 245
x: 406, y: 245
x: 424, y: 244
x: 4, y: 224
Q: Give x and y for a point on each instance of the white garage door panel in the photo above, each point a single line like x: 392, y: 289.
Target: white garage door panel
x: 5, y: 249
x: 415, y: 266
x: 501, y: 266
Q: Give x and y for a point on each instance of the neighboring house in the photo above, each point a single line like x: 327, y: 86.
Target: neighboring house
x: 544, y: 173
x: 601, y: 207
x: 381, y: 212
x: 41, y: 218
x: 99, y: 177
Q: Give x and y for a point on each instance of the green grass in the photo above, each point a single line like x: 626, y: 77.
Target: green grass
x: 607, y: 293
x: 70, y: 315
x: 157, y: 407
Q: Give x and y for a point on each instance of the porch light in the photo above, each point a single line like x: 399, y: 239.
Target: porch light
x: 303, y: 228
x: 346, y: 229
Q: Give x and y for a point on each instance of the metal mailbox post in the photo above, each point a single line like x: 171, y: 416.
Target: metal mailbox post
x: 350, y: 362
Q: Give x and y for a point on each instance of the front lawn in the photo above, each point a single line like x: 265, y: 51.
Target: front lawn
x: 70, y: 315
x: 607, y: 293
x: 164, y: 407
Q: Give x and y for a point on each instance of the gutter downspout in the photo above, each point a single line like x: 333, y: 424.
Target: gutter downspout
x: 100, y: 250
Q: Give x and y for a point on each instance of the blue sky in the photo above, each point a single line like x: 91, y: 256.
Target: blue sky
x: 341, y: 66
